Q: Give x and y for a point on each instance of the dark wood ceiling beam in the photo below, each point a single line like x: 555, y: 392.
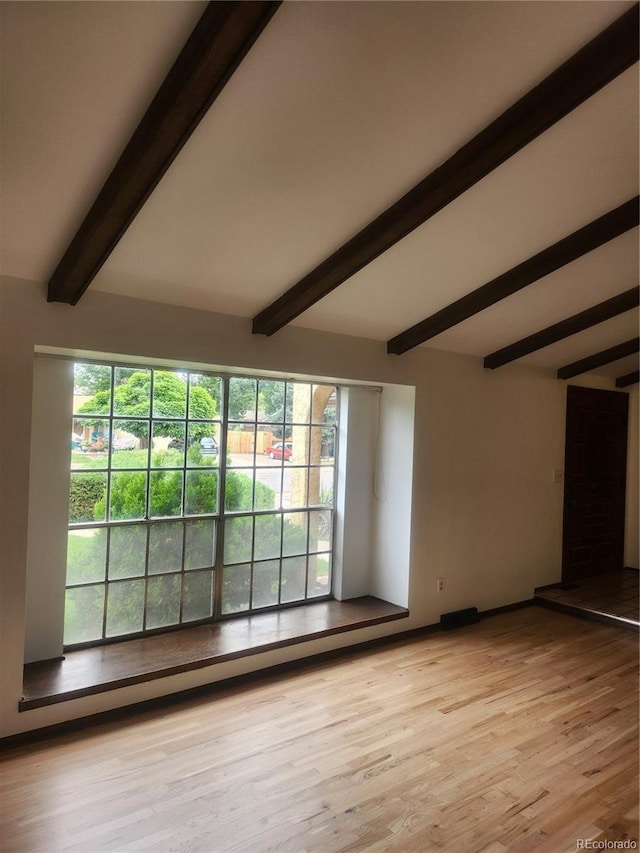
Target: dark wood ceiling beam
x: 599, y: 359
x: 598, y: 232
x: 587, y: 71
x: 218, y: 44
x: 565, y: 328
x: 628, y: 379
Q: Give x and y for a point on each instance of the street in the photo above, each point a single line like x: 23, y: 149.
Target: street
x: 270, y: 471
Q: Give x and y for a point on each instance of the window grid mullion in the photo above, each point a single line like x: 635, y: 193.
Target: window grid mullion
x: 183, y: 574
x: 147, y: 505
x: 106, y: 585
x: 251, y: 563
x: 218, y: 562
x: 112, y: 392
x: 146, y: 575
x: 281, y: 554
x: 107, y: 509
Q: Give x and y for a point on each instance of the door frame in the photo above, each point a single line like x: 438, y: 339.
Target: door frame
x: 573, y: 393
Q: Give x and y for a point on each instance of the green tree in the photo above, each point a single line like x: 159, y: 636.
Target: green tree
x: 242, y: 397
x: 91, y: 378
x: 133, y: 398
x: 274, y: 401
x: 211, y: 384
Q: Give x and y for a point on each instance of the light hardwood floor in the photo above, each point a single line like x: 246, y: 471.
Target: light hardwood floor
x: 518, y: 733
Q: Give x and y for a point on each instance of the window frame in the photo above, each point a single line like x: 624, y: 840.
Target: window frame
x: 221, y: 515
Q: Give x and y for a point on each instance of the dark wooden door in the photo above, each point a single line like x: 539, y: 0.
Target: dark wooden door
x: 595, y: 482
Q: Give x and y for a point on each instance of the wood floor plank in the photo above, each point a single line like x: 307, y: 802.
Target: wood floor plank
x: 517, y: 733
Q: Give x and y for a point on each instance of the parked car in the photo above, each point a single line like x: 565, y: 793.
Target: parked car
x: 208, y: 446
x: 278, y: 451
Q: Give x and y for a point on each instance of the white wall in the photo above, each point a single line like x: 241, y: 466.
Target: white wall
x: 485, y: 513
x: 393, y: 489
x: 48, y: 508
x: 354, y: 493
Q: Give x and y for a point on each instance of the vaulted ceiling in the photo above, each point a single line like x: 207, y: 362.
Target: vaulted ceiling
x: 522, y: 229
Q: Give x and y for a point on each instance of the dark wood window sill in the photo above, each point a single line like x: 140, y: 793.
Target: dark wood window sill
x: 101, y: 668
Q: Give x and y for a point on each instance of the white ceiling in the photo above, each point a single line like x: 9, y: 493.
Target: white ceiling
x: 337, y: 111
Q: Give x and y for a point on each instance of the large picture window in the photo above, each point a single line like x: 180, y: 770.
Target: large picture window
x: 193, y: 497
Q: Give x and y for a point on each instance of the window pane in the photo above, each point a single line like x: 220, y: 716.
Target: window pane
x: 320, y: 523
x: 297, y: 495
x: 89, y: 443
x: 86, y: 555
x: 197, y: 601
x: 199, y: 545
x: 163, y: 601
x: 268, y: 488
x: 242, y: 399
x: 266, y: 581
x: 202, y: 492
x: 130, y: 438
x: 91, y: 389
x: 168, y: 444
x: 238, y: 533
x: 236, y: 589
x: 132, y: 390
x: 294, y: 575
x: 326, y: 480
x: 125, y: 606
x: 315, y: 486
x: 127, y: 552
x: 238, y: 491
x: 298, y: 402
x: 165, y: 547
x: 87, y: 497
x: 318, y: 581
x: 241, y: 444
x: 315, y: 446
x: 203, y: 445
x: 83, y: 611
x: 267, y: 537
x: 330, y: 406
x: 86, y: 454
x: 271, y: 396
x: 294, y: 533
x: 169, y: 394
x: 327, y: 444
x: 204, y: 397
x: 165, y: 493
x: 128, y: 495
x: 298, y: 445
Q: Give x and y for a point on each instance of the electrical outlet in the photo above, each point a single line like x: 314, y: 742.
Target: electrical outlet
x: 440, y: 583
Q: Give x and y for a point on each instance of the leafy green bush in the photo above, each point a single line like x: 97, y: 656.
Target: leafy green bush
x: 201, y: 492
x: 165, y: 493
x: 266, y: 577
x: 87, y: 497
x: 239, y: 491
x: 128, y: 496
